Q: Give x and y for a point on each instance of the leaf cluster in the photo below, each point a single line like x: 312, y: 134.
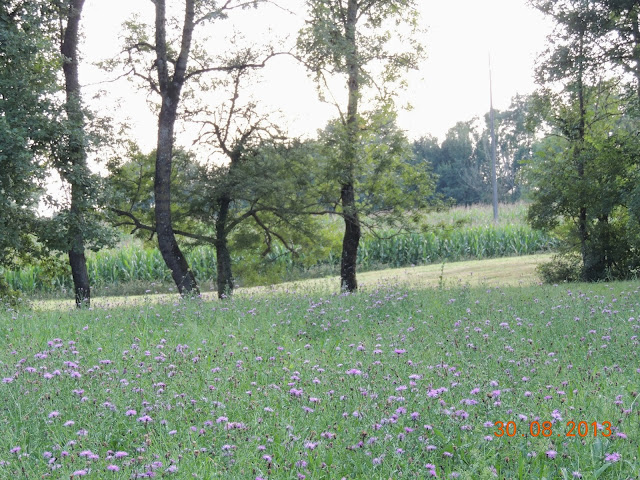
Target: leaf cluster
x: 382, y: 52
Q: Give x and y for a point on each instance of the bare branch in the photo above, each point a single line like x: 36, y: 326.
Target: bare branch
x: 268, y: 232
x: 141, y: 226
x: 231, y: 68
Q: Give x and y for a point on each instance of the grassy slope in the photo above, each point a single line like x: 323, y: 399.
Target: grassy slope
x: 497, y: 271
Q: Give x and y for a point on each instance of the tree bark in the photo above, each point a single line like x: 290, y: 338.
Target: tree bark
x: 633, y: 13
x: 352, y: 230
x: 76, y: 172
x: 224, y: 278
x: 167, y: 243
x: 170, y: 87
x: 350, y: 241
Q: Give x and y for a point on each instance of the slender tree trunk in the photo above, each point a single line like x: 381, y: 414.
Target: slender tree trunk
x: 76, y: 172
x: 352, y: 230
x: 170, y: 87
x: 635, y: 25
x: 583, y: 233
x: 223, y: 256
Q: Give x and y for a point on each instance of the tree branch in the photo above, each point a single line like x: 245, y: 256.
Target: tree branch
x: 270, y: 232
x: 231, y: 68
x: 141, y: 226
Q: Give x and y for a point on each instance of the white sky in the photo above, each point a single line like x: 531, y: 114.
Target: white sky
x: 451, y: 85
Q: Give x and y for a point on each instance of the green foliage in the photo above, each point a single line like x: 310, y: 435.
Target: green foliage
x: 386, y: 182
x: 585, y: 178
x: 562, y: 268
x: 130, y: 186
x: 8, y: 296
x: 590, y: 182
x: 462, y: 162
x: 27, y: 124
x: 327, y: 46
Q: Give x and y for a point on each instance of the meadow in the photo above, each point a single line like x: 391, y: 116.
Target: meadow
x: 459, y: 233
x: 396, y: 381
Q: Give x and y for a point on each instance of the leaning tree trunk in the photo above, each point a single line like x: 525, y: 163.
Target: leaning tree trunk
x: 170, y: 87
x: 76, y: 172
x: 173, y: 257
x: 224, y: 278
x: 351, y: 239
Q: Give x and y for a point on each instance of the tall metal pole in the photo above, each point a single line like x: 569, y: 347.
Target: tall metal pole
x: 494, y: 180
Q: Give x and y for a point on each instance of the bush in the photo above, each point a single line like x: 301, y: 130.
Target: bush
x: 7, y: 294
x: 562, y: 268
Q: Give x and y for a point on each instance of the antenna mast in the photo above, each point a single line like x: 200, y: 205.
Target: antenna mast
x: 494, y: 180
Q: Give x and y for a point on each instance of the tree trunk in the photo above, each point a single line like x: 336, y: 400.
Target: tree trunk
x: 80, y: 276
x: 223, y: 256
x: 170, y: 87
x: 76, y: 171
x: 173, y: 257
x: 351, y: 239
x: 584, y: 244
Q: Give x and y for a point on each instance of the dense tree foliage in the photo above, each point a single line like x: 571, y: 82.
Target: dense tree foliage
x: 41, y: 132
x: 462, y: 161
x: 587, y: 170
x: 27, y: 82
x: 243, y: 207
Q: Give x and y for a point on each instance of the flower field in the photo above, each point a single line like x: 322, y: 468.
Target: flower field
x: 387, y: 383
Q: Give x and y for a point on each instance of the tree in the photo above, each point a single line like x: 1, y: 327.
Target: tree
x: 584, y: 195
x: 253, y: 184
x: 348, y: 39
x: 463, y: 173
x: 516, y: 130
x: 241, y: 206
x: 73, y: 162
x: 76, y: 224
x: 245, y: 173
x: 582, y: 178
x: 27, y: 85
x: 619, y: 23
x: 163, y: 65
x: 40, y: 39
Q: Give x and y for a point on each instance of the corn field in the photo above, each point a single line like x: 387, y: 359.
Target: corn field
x: 137, y: 264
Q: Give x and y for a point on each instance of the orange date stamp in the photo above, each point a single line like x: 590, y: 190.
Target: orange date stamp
x: 546, y: 429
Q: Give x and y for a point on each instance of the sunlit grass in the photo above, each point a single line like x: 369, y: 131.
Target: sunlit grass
x: 507, y: 271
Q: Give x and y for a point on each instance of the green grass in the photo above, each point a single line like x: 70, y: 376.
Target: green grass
x: 381, y: 384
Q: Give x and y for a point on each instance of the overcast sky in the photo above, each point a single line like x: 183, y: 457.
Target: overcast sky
x: 452, y: 84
